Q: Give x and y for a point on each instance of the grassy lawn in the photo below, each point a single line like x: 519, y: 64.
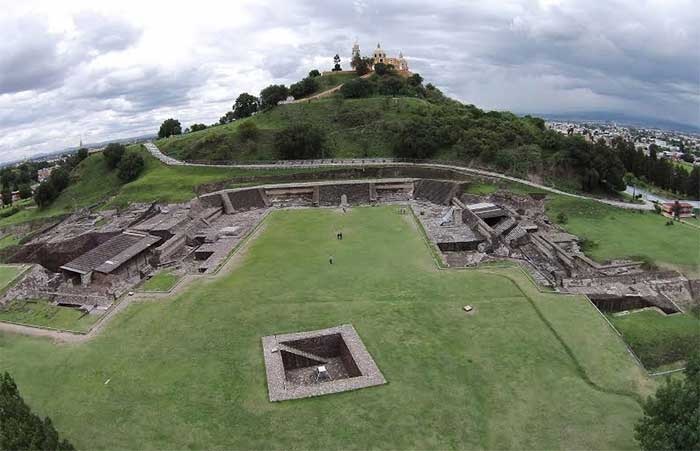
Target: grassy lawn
x: 616, y: 233
x: 659, y: 340
x: 163, y: 281
x: 42, y: 313
x: 527, y: 371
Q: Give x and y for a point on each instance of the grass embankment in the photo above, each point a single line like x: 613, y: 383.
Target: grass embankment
x: 659, y: 340
x: 8, y: 274
x: 163, y: 281
x: 94, y: 184
x: 523, y: 372
x: 330, y: 81
x: 42, y: 313
x: 355, y: 127
x: 614, y: 233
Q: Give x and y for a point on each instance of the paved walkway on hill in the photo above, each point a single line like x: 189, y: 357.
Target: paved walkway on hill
x: 153, y: 149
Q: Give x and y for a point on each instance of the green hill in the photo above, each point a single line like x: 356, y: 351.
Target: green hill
x: 397, y: 116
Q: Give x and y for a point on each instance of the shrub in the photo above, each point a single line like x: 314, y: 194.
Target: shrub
x: 356, y: 88
x: 130, y: 167
x: 562, y: 218
x: 113, y: 154
x: 303, y: 88
x: 417, y: 139
x: 300, y: 141
x: 248, y: 131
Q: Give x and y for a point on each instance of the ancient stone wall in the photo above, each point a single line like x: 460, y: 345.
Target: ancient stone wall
x: 435, y: 191
x: 357, y: 193
x: 53, y: 255
x: 246, y: 199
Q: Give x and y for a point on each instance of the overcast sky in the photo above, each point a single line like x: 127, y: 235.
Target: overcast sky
x: 112, y: 69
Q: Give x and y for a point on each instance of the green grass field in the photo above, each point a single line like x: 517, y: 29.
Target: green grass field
x: 163, y: 281
x: 42, y: 313
x: 659, y: 340
x: 527, y: 371
x: 616, y: 233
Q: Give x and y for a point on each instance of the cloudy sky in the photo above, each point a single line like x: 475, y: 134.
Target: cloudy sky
x: 112, y: 69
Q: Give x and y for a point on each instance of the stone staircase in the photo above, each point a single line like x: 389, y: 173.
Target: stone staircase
x: 504, y: 226
x: 515, y: 235
x: 297, y: 352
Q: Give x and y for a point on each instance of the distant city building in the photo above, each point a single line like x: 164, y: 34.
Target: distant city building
x: 44, y: 173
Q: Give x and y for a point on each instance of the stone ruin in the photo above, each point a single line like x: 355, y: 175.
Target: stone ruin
x: 90, y: 259
x: 320, y: 362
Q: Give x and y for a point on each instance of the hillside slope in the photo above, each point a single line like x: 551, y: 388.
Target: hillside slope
x: 354, y: 128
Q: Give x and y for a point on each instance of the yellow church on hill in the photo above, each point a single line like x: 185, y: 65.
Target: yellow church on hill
x: 379, y: 56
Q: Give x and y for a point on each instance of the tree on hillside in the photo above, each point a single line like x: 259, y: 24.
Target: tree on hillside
x: 671, y: 418
x: 300, y: 141
x: 170, y: 127
x: 59, y: 179
x: 25, y: 191
x: 417, y: 139
x: 43, y: 195
x: 197, y: 127
x: 336, y: 63
x: 6, y: 197
x: 314, y: 73
x: 130, y: 167
x: 415, y: 80
x: 303, y: 88
x: 226, y: 118
x: 356, y: 88
x: 272, y: 95
x: 245, y: 106
x: 361, y: 65
x: 383, y: 69
x: 20, y: 429
x: 113, y: 154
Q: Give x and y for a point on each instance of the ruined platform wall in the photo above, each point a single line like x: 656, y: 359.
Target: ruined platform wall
x: 53, y: 255
x: 357, y: 193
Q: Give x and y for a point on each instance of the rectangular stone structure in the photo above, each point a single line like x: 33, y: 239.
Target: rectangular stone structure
x: 291, y: 360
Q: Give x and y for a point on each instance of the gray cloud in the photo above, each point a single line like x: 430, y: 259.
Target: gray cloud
x: 109, y: 78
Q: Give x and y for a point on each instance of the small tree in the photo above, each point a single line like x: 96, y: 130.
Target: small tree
x: 314, y: 73
x: 356, y: 88
x: 336, y: 63
x: 20, y: 429
x: 113, y: 154
x: 43, y: 196
x: 272, y: 95
x: 361, y: 65
x: 170, y: 127
x: 82, y: 154
x: 671, y: 418
x: 6, y: 197
x: 197, y: 127
x: 303, y: 88
x: 25, y: 191
x: 245, y: 106
x: 300, y: 141
x: 59, y: 179
x: 130, y: 167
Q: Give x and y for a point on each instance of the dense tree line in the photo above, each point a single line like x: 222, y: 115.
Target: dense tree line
x: 20, y: 428
x: 671, y: 418
x: 661, y: 172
